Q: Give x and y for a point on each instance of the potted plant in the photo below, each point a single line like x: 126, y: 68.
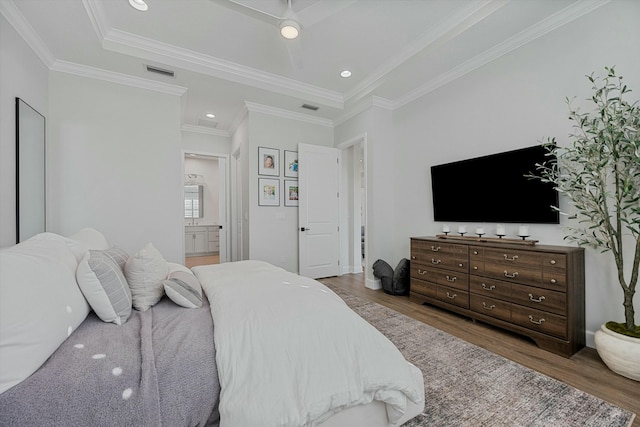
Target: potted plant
x: 599, y: 174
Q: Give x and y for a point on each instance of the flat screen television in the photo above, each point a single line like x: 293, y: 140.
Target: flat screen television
x: 494, y: 188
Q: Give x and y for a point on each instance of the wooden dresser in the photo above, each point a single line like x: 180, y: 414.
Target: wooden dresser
x: 533, y: 290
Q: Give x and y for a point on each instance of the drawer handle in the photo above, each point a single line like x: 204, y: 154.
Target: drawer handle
x: 552, y: 262
x: 451, y: 279
x: 513, y: 258
x: 537, y: 322
x: 488, y: 307
x: 475, y: 252
x: 506, y: 274
x: 553, y: 281
x: 488, y: 288
x: 435, y: 261
x: 475, y: 267
x: 435, y: 248
x: 422, y: 272
x: 451, y: 296
x: 531, y: 298
x: 413, y: 257
x: 461, y: 265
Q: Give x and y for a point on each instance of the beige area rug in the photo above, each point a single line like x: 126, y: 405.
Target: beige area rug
x: 466, y: 385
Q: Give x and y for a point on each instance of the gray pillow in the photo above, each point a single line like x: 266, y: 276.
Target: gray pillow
x: 103, y: 284
x: 184, y: 289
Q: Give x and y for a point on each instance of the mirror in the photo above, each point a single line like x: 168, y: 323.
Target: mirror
x: 193, y: 201
x: 30, y: 171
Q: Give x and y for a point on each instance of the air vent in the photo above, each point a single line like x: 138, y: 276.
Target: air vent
x: 158, y: 70
x: 310, y: 107
x: 208, y: 123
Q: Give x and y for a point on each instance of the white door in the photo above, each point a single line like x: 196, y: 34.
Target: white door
x: 318, y: 210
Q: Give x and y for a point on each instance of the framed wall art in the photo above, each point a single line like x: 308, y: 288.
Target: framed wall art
x: 291, y: 192
x: 268, y: 192
x: 290, y: 164
x: 268, y: 161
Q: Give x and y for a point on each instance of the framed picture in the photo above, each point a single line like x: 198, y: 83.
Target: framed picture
x: 268, y: 161
x: 291, y: 192
x: 291, y: 164
x: 268, y: 192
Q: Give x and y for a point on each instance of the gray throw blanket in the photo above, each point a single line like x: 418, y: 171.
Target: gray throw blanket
x: 158, y: 369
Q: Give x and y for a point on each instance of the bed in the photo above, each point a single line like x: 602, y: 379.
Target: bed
x: 264, y: 347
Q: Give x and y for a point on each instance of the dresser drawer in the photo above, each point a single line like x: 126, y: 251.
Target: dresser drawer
x: 453, y: 296
x: 423, y: 288
x: 440, y: 254
x: 490, y: 288
x: 513, y: 258
x: 540, y: 299
x: 490, y: 307
x: 540, y: 321
x: 513, y: 273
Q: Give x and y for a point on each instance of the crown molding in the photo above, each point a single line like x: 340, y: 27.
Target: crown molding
x: 110, y: 76
x: 97, y: 18
x: 204, y: 129
x: 557, y: 20
x: 17, y: 20
x: 450, y: 27
x: 279, y: 112
x: 362, y: 105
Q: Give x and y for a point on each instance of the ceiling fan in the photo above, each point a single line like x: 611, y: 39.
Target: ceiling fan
x: 289, y: 23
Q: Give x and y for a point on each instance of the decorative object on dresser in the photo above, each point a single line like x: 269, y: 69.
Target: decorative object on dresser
x: 600, y: 175
x: 533, y: 290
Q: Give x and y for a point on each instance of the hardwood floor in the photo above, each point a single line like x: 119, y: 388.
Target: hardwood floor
x: 584, y: 370
x: 192, y: 261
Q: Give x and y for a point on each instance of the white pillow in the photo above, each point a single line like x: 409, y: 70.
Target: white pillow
x: 183, y: 288
x: 78, y: 249
x: 145, y: 271
x: 40, y: 305
x: 101, y: 279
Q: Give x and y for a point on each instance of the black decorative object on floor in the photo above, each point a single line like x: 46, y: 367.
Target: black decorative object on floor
x: 394, y: 282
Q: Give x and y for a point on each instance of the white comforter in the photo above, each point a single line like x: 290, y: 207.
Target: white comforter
x: 290, y: 352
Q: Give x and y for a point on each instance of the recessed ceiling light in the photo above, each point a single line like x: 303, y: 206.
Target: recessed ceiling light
x: 289, y: 29
x: 139, y: 5
x: 345, y: 74
x: 210, y: 115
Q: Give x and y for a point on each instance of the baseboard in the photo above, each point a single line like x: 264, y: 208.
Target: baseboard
x: 352, y: 269
x: 590, y: 338
x: 374, y: 284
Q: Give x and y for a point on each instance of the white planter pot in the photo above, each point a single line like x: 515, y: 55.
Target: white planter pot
x: 619, y: 352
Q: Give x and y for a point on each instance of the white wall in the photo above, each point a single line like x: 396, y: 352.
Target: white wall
x: 516, y: 101
x: 274, y: 230
x: 205, y: 143
x: 240, y: 148
x: 114, y: 153
x: 22, y: 75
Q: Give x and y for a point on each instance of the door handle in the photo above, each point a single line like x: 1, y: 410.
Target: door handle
x: 304, y: 229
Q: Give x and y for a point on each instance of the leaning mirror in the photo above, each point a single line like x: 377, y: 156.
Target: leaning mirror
x: 30, y: 171
x: 193, y: 201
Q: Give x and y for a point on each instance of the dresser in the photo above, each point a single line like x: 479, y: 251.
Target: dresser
x: 533, y: 290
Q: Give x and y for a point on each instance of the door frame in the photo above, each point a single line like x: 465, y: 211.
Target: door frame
x: 226, y: 198
x: 345, y: 145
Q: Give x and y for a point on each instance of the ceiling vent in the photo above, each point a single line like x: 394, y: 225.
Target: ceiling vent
x: 158, y: 70
x: 208, y: 123
x: 310, y: 107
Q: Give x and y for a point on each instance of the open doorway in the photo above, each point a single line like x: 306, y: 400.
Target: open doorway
x: 354, y: 205
x: 205, y: 209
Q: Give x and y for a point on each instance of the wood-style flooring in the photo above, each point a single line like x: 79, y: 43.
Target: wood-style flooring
x: 584, y: 370
x: 192, y: 261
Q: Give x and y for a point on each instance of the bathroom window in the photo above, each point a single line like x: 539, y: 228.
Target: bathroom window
x: 193, y: 201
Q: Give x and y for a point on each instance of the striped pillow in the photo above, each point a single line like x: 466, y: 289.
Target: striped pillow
x: 184, y: 289
x: 103, y: 284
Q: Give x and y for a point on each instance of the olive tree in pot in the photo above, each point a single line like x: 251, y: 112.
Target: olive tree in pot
x: 599, y: 174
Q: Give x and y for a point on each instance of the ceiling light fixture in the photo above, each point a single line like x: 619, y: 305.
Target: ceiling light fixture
x: 289, y: 29
x: 139, y: 5
x: 345, y: 74
x: 210, y: 115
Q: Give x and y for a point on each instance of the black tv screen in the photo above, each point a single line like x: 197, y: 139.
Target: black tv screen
x: 494, y: 189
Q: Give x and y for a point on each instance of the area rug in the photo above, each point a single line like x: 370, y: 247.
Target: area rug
x: 466, y: 385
